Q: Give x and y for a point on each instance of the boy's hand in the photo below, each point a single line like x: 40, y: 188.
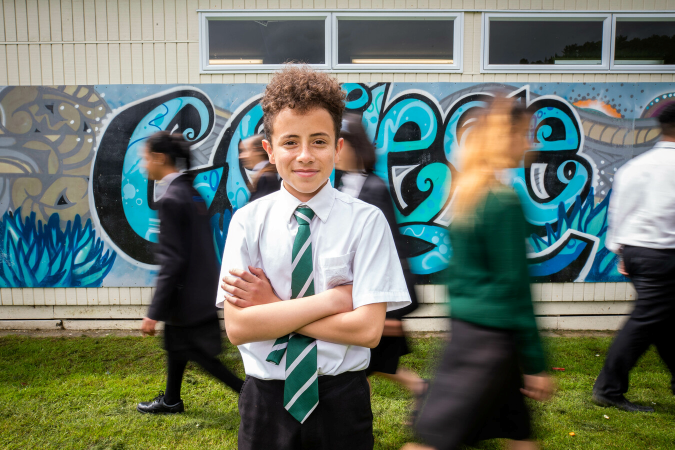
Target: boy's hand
x: 539, y: 387
x: 622, y: 268
x: 246, y: 289
x: 148, y: 326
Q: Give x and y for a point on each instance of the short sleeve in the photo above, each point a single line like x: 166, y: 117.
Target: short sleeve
x: 378, y: 276
x: 235, y: 255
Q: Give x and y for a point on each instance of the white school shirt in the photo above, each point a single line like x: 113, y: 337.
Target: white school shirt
x: 642, y: 207
x: 162, y: 185
x: 351, y: 244
x: 352, y: 183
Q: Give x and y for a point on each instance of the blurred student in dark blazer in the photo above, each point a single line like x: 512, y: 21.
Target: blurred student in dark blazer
x: 188, y: 275
x: 356, y: 178
x: 261, y: 172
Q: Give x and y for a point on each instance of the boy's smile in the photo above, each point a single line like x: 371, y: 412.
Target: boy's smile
x: 303, y: 146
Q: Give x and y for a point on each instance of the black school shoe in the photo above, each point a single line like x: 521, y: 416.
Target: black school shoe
x: 157, y: 406
x: 619, y: 402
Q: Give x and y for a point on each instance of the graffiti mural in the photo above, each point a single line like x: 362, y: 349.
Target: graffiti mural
x: 78, y: 211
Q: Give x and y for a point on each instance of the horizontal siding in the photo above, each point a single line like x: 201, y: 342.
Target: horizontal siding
x: 418, y: 324
x: 556, y: 306
x: 161, y: 39
x: 542, y: 293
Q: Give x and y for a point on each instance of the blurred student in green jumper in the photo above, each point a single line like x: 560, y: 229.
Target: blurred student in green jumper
x: 495, y: 355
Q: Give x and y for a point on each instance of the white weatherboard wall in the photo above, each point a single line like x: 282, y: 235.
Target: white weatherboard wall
x: 559, y: 306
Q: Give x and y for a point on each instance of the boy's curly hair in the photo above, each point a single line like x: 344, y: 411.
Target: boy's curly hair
x: 303, y: 88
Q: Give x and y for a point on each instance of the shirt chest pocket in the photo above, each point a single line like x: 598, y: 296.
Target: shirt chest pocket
x: 336, y: 270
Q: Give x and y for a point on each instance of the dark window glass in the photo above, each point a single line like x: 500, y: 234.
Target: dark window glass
x: 267, y: 41
x: 395, y: 41
x: 644, y: 42
x: 545, y: 42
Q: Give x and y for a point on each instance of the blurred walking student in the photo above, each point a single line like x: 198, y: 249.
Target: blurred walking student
x: 308, y: 276
x: 357, y: 162
x: 642, y: 230
x: 263, y: 174
x: 188, y: 275
x: 477, y: 392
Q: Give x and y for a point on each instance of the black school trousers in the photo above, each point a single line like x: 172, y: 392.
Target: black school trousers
x: 652, y: 321
x: 343, y: 419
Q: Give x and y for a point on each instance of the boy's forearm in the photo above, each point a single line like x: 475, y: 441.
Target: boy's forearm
x: 273, y: 320
x: 362, y: 327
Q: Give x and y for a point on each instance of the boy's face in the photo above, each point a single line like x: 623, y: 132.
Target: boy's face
x: 303, y: 146
x: 152, y: 163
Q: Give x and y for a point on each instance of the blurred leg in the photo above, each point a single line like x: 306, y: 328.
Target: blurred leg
x: 629, y: 345
x: 665, y: 344
x: 176, y: 367
x: 523, y: 445
x: 407, y: 378
x: 653, y: 275
x: 216, y: 368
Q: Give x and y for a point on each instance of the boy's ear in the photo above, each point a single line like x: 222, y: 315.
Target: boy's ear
x: 158, y: 158
x: 268, y: 148
x: 338, y: 149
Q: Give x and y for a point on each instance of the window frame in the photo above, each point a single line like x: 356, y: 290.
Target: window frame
x: 604, y: 66
x: 639, y: 68
x: 205, y: 17
x: 331, y: 17
x: 457, y: 41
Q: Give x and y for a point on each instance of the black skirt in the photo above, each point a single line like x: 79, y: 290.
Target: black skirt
x: 384, y: 358
x: 476, y: 392
x: 204, y: 338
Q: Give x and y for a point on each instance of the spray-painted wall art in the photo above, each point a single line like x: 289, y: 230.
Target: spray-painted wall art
x: 78, y: 211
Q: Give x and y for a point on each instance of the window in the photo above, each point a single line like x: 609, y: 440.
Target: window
x: 397, y: 42
x: 249, y: 43
x: 644, y: 42
x: 545, y: 42
x: 378, y: 42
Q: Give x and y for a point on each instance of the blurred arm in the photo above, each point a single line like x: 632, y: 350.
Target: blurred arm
x: 172, y: 257
x: 505, y: 231
x: 378, y: 195
x: 615, y: 214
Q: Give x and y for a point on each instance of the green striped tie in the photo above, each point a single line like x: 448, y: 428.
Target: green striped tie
x: 301, y: 388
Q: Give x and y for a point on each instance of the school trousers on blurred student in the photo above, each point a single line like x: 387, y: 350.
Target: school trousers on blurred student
x: 651, y: 322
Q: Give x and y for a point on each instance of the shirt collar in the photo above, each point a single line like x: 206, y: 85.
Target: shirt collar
x: 321, y: 203
x: 665, y: 144
x: 162, y: 185
x: 169, y: 178
x: 261, y: 165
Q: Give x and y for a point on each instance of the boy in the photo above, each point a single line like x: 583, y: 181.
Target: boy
x: 305, y: 359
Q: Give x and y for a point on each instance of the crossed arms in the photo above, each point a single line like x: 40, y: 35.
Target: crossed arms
x: 254, y: 313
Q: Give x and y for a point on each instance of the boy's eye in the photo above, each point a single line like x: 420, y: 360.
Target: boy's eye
x: 290, y: 143
x: 320, y: 142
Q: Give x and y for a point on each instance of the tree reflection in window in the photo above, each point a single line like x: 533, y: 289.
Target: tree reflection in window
x: 645, y: 42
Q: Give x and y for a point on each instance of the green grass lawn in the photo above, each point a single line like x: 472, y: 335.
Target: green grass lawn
x: 81, y: 393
